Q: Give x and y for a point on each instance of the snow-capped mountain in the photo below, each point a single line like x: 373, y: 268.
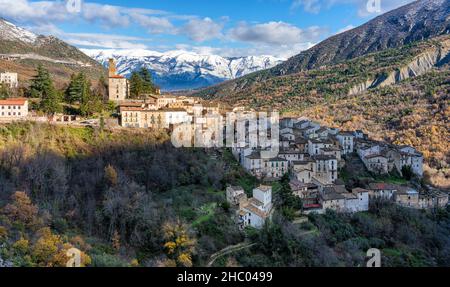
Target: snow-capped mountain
x: 11, y: 32
x: 181, y: 70
x: 28, y: 46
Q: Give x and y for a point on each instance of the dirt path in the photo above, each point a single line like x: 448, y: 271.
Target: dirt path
x: 228, y: 250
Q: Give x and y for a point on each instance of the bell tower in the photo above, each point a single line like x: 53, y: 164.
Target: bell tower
x: 112, y: 67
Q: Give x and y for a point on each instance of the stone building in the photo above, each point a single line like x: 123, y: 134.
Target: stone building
x: 119, y: 87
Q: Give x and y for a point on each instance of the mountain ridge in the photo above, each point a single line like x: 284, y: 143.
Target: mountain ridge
x: 179, y: 69
x: 27, y: 49
x: 406, y: 25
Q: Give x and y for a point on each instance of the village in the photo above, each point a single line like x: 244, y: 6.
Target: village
x: 311, y: 155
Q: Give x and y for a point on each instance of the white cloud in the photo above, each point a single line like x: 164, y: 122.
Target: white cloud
x: 274, y: 38
x: 42, y: 11
x: 39, y: 12
x: 106, y: 14
x: 104, y: 43
x: 315, y: 6
x: 201, y: 29
x: 275, y: 33
x: 97, y: 40
x: 154, y: 25
x: 311, y: 6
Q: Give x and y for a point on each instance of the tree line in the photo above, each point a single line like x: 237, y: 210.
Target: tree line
x: 87, y: 99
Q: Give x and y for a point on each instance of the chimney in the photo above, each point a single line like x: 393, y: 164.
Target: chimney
x: 112, y: 67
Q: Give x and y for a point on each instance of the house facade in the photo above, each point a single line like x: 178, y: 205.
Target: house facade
x: 13, y: 109
x: 9, y: 79
x: 257, y: 209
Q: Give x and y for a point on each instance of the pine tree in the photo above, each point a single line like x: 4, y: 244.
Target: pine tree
x: 85, y: 95
x: 141, y: 83
x: 146, y: 76
x: 136, y: 85
x: 74, y: 90
x: 102, y: 87
x: 51, y: 101
x: 4, y: 92
x: 41, y: 83
x: 42, y: 88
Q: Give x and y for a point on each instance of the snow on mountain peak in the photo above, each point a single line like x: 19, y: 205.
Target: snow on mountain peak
x: 180, y: 69
x: 9, y: 31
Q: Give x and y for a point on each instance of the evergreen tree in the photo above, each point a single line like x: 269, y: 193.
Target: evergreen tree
x: 4, y: 92
x: 136, y: 85
x: 74, y: 90
x: 42, y: 87
x: 85, y: 95
x: 51, y: 101
x: 41, y: 83
x: 141, y: 83
x: 147, y: 80
x: 102, y: 87
x: 288, y: 202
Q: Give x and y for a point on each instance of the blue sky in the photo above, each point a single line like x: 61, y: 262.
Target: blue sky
x: 229, y: 28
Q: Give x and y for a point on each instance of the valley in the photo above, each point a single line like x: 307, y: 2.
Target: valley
x: 151, y: 138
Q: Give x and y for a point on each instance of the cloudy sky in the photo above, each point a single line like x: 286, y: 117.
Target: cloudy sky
x: 225, y: 27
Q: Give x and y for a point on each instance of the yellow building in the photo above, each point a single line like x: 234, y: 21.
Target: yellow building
x: 139, y: 117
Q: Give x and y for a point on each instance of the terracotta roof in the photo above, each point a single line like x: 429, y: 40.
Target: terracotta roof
x: 256, y: 211
x: 131, y: 104
x: 117, y: 77
x: 9, y: 102
x: 312, y: 206
x: 382, y: 186
x: 131, y: 109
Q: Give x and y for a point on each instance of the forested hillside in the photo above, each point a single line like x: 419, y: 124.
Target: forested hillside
x: 128, y: 198
x: 110, y: 194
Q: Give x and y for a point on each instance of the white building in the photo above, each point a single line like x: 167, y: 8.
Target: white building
x: 13, y: 109
x: 382, y: 190
x: 346, y: 142
x: 275, y: 167
x: 409, y: 156
x: 9, y: 79
x: 315, y: 146
x: 357, y: 200
x: 257, y: 209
